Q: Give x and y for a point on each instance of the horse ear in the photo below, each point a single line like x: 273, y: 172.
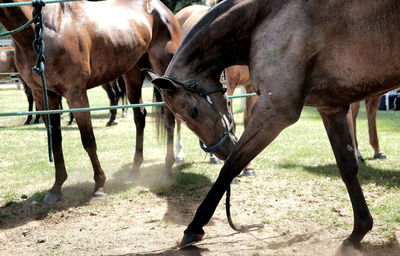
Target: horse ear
x: 159, y: 82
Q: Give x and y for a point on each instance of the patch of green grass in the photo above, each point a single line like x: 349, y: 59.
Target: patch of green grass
x: 10, y: 198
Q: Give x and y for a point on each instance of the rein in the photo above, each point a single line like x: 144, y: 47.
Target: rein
x: 194, y: 87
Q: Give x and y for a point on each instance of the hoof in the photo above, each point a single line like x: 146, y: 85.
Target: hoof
x: 249, y: 173
x: 214, y: 160
x: 51, y: 198
x: 98, y: 196
x: 166, y: 176
x: 235, y: 181
x: 380, y: 156
x: 189, y: 239
x: 350, y: 248
x: 179, y: 160
x: 111, y: 123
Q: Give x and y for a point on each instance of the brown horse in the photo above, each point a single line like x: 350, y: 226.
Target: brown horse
x: 88, y: 44
x: 324, y: 54
x: 239, y: 75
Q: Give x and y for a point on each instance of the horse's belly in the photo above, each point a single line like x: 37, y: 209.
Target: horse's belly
x: 325, y: 91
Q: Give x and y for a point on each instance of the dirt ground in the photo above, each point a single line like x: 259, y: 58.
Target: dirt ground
x: 152, y: 223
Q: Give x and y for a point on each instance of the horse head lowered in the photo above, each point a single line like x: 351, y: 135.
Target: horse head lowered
x: 204, y: 109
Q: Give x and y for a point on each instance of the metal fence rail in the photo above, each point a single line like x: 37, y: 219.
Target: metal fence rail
x: 59, y: 111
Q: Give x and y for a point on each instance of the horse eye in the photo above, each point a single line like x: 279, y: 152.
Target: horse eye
x: 194, y: 113
x: 229, y: 103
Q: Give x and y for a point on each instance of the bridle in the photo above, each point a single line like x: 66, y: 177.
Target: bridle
x: 196, y: 88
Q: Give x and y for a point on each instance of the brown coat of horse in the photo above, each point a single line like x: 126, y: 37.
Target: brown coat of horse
x: 324, y: 54
x: 88, y: 44
x: 239, y: 75
x: 235, y: 75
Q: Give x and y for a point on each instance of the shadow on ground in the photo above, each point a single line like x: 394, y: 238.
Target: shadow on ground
x: 367, y: 174
x: 182, y: 193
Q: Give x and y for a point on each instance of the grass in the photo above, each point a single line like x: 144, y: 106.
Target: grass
x: 297, y: 169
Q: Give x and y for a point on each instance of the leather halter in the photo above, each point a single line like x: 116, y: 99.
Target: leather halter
x: 194, y: 87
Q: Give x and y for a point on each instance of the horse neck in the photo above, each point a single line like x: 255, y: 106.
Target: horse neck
x: 219, y: 40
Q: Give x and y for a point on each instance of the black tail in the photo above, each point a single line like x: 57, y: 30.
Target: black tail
x: 160, y: 115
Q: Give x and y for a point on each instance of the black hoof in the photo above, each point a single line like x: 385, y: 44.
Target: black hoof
x: 179, y: 160
x: 111, y: 123
x: 249, y: 172
x: 51, y: 198
x: 235, y: 181
x: 350, y: 248
x: 189, y: 239
x: 380, y: 156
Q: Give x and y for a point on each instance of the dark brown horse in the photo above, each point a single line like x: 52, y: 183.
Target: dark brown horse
x: 88, y: 44
x: 234, y: 76
x: 325, y: 54
x: 239, y: 75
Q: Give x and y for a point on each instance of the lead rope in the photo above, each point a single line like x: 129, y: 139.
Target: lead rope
x: 242, y: 228
x: 38, y: 46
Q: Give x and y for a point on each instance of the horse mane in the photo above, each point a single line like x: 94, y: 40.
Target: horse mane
x: 211, y: 15
x: 230, y: 31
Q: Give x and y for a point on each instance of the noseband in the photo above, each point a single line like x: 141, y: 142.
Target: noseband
x: 194, y: 87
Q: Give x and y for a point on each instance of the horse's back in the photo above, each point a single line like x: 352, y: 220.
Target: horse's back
x: 188, y: 16
x: 347, y: 50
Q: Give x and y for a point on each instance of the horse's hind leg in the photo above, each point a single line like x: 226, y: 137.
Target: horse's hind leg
x: 337, y: 128
x: 83, y: 119
x: 159, y: 61
x: 133, y: 82
x: 112, y: 96
x: 54, y: 193
x: 29, y: 97
x: 371, y: 106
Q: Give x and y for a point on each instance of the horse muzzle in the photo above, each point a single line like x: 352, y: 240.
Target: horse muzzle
x: 223, y: 147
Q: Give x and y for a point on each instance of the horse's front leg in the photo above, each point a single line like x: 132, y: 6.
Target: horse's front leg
x: 29, y: 97
x: 337, y: 128
x: 54, y: 193
x: 79, y: 99
x: 267, y: 123
x: 133, y: 82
